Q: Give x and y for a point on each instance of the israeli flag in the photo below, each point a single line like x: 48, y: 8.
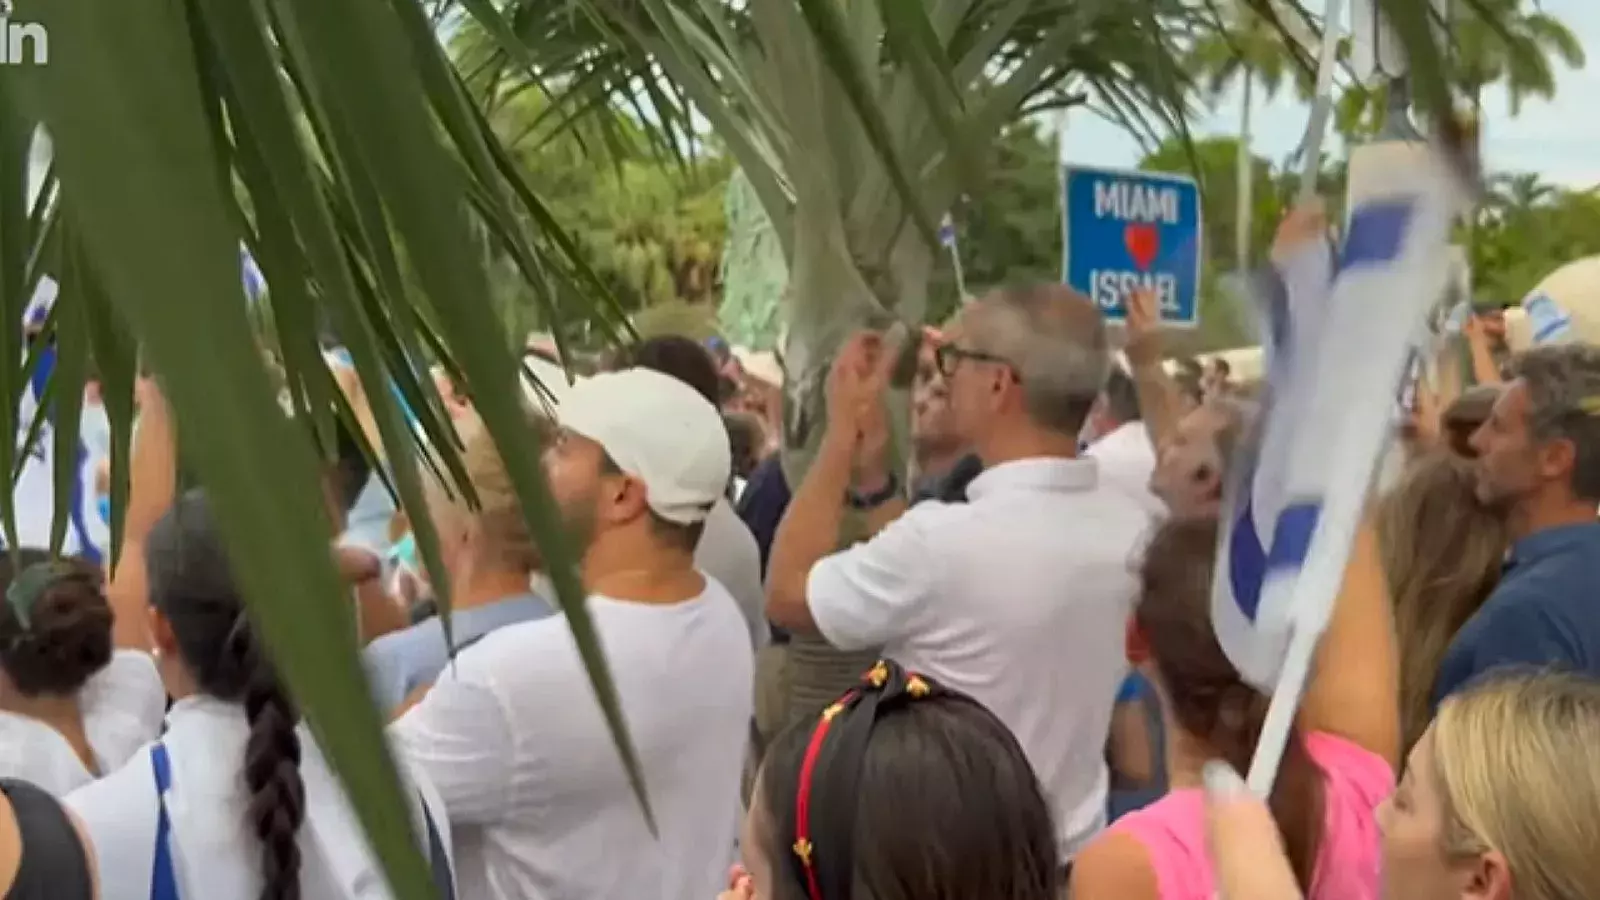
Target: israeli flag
x: 39, y: 306
x: 1340, y: 340
x: 34, y: 492
x: 947, y: 231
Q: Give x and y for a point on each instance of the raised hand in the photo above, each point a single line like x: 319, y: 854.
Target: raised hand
x: 1246, y: 849
x: 853, y: 382
x: 1305, y: 223
x: 1144, y: 327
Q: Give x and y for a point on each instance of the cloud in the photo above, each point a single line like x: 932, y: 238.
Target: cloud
x: 1556, y: 139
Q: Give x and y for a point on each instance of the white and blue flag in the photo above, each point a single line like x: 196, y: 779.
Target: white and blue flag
x: 34, y: 492
x: 1340, y: 340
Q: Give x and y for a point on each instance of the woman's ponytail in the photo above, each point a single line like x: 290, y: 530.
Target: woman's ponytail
x: 271, y: 768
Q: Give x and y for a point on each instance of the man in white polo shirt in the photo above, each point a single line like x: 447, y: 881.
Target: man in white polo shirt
x: 511, y: 735
x: 1019, y: 597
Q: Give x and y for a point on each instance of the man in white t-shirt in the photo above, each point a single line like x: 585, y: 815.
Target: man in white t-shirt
x: 512, y: 736
x: 1122, y: 444
x: 727, y: 550
x: 1021, y: 596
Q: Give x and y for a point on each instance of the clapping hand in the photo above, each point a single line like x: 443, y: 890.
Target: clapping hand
x: 856, y: 386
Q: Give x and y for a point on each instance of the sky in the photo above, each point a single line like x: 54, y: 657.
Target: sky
x: 1558, y: 139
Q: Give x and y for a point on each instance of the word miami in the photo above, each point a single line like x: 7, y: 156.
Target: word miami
x: 1111, y: 288
x: 1136, y: 202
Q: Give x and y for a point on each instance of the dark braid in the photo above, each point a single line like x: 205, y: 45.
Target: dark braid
x: 271, y: 770
x: 191, y: 583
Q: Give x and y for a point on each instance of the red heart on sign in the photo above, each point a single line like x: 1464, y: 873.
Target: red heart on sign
x: 1143, y: 242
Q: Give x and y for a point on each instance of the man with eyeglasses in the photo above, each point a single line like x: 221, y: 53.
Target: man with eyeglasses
x: 943, y: 466
x: 1018, y: 597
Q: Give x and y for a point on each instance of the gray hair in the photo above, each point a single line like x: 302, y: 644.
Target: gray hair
x: 1563, y: 384
x: 1055, y: 338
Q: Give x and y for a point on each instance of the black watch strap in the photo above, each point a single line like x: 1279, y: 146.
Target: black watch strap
x: 889, y: 491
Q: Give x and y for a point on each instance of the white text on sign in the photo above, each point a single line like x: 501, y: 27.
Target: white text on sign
x: 1135, y: 202
x: 1111, y: 288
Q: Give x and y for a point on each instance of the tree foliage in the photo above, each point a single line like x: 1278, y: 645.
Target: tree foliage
x: 1527, y: 229
x: 652, y: 228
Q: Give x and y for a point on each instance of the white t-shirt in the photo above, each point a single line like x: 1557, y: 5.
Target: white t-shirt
x: 1019, y: 598
x: 215, y: 853
x: 122, y: 706
x: 728, y: 553
x: 537, y: 795
x: 1127, y: 459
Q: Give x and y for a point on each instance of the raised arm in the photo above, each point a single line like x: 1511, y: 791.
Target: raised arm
x: 153, y: 482
x: 1160, y: 399
x: 1354, y: 691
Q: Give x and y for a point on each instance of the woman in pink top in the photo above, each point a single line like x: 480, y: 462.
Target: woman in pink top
x: 1340, y: 762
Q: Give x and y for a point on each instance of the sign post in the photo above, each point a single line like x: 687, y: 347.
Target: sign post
x: 1126, y: 230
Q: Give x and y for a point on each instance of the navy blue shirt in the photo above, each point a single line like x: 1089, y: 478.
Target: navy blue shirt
x: 1545, y: 613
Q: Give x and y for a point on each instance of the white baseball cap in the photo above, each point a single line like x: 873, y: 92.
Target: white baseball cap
x: 658, y: 430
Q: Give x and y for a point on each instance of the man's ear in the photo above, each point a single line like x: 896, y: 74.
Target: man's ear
x: 1556, y: 458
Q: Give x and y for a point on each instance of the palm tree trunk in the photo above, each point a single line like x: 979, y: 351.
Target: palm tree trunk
x: 1244, y: 179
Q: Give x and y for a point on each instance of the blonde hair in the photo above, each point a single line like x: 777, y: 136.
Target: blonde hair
x: 1442, y: 554
x: 501, y: 529
x: 1518, y: 764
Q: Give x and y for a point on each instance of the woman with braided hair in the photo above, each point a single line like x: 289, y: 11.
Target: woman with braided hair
x: 901, y: 790
x: 235, y: 802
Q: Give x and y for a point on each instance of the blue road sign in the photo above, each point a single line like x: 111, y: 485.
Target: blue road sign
x: 1129, y: 229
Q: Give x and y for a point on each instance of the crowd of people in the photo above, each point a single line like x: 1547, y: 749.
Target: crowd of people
x: 1026, y: 699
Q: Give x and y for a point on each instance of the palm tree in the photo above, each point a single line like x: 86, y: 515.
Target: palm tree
x: 857, y: 125
x: 1492, y: 42
x: 1249, y: 49
x: 338, y: 144
x: 1508, y: 44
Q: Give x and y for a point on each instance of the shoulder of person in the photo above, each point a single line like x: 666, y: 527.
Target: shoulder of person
x: 534, y: 644
x: 1522, y: 607
x: 120, y: 807
x: 399, y: 644
x: 130, y: 685
x: 1115, y: 866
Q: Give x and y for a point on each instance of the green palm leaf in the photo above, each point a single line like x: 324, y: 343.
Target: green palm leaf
x: 337, y: 142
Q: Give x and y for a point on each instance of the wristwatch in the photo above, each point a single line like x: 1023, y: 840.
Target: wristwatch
x: 890, y: 490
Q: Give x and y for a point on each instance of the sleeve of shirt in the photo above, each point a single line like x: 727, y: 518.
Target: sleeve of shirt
x: 459, y: 737
x: 871, y: 593
x: 129, y: 686
x: 384, y: 660
x: 1515, y: 635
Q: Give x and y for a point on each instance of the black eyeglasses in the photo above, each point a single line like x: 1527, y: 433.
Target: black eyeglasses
x: 947, y: 356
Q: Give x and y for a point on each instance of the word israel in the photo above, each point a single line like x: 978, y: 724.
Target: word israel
x: 21, y: 42
x: 1144, y: 207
